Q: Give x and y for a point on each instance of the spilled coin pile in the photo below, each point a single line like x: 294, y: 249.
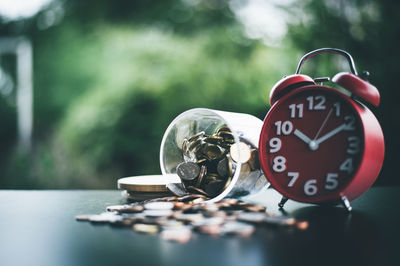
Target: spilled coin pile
x: 176, y: 218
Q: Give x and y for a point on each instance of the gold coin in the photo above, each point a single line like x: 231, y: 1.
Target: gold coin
x: 196, y: 136
x: 224, y: 128
x: 212, y: 152
x: 147, y: 183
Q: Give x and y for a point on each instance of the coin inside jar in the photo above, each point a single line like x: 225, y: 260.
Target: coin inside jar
x: 212, y: 152
x: 224, y: 167
x: 240, y: 152
x: 210, y: 162
x: 188, y: 170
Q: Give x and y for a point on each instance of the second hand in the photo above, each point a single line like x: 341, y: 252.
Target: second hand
x: 323, y: 124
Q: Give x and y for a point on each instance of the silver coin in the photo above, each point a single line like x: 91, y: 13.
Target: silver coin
x: 180, y: 235
x: 188, y: 170
x: 158, y: 213
x: 237, y: 228
x: 105, y: 217
x: 157, y: 205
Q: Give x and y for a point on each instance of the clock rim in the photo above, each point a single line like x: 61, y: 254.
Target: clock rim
x: 371, y: 159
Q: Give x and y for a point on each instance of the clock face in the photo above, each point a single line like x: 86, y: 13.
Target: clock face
x: 311, y: 144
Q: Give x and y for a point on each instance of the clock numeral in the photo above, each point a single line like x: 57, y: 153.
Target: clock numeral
x: 275, y: 144
x: 331, y: 181
x: 279, y: 164
x: 294, y: 176
x: 310, y: 187
x: 350, y: 122
x: 285, y: 127
x: 354, y: 145
x: 336, y: 105
x: 347, y: 165
x: 296, y: 107
x: 316, y: 102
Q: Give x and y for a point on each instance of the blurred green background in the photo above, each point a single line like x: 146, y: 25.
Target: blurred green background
x: 109, y: 76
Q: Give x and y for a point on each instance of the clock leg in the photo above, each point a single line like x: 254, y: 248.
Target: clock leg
x: 346, y: 203
x: 282, y: 202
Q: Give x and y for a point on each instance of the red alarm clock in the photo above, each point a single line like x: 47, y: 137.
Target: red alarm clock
x: 318, y: 144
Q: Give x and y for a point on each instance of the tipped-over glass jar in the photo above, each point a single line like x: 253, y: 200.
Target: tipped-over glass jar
x: 214, y: 153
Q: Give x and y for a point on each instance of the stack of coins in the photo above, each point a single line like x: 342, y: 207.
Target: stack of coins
x: 176, y: 218
x: 138, y: 188
x: 210, y: 161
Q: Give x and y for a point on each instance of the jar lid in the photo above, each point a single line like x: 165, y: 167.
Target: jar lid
x: 147, y: 183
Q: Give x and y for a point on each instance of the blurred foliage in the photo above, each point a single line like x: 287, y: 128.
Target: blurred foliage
x: 106, y: 92
x: 109, y: 77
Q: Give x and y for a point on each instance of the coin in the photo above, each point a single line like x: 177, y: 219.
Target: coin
x: 252, y: 217
x: 212, y: 229
x: 147, y: 183
x: 237, y: 228
x: 214, y: 187
x: 197, y: 190
x: 203, y: 172
x: 177, y: 189
x: 184, y: 145
x: 181, y: 235
x: 190, y: 197
x: 145, y: 228
x: 224, y: 129
x: 212, y: 151
x: 195, y: 145
x: 83, y: 217
x: 158, y: 213
x: 254, y: 162
x: 157, y: 205
x: 214, y: 139
x: 116, y: 208
x: 224, y: 167
x: 188, y: 170
x: 255, y: 208
x: 240, y: 152
x: 189, y: 217
x: 105, y: 217
x: 196, y: 136
x: 228, y: 138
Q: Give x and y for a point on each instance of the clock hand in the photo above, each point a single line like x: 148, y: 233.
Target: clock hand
x: 312, y: 144
x: 323, y: 124
x: 301, y: 136
x: 331, y: 133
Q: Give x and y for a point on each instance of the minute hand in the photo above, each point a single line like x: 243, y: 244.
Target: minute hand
x: 331, y: 134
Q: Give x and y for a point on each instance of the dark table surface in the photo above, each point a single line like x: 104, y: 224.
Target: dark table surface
x: 38, y: 228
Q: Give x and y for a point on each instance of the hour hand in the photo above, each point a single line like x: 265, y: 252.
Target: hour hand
x: 301, y: 136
